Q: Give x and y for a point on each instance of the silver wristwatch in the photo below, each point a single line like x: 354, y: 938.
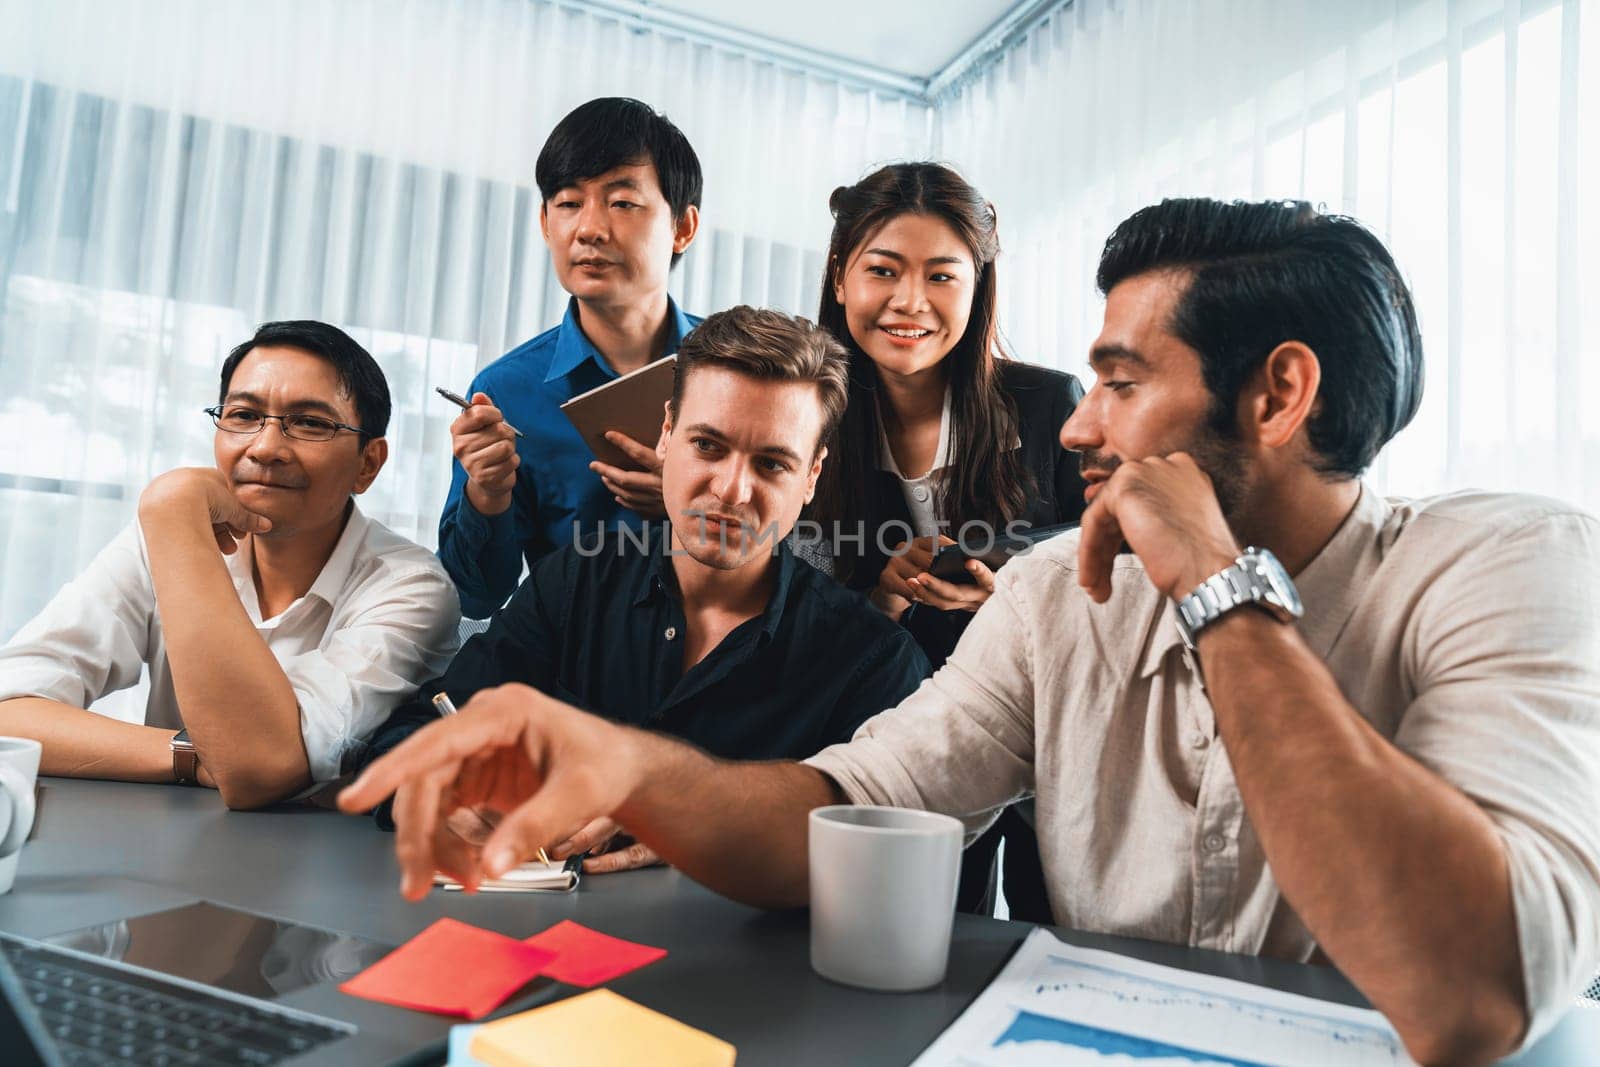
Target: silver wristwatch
x: 1255, y: 578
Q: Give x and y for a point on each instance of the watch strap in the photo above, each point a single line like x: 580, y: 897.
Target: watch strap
x: 1234, y: 586
x: 1218, y: 594
x: 185, y: 760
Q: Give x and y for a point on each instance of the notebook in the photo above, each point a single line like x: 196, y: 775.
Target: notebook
x: 532, y: 877
x: 635, y: 404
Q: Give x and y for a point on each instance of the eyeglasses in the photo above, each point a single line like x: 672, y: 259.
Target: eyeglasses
x: 299, y: 427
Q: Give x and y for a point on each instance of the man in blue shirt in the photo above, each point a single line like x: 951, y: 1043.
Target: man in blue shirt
x: 621, y: 202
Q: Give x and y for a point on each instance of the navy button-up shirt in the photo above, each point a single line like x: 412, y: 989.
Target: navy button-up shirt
x: 602, y: 627
x: 556, y: 491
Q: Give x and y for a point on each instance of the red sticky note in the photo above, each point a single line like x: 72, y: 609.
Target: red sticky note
x: 587, y: 957
x: 453, y: 969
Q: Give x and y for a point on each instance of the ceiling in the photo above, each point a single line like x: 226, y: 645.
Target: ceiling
x: 913, y: 38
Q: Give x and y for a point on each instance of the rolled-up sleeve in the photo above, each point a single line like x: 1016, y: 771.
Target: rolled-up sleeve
x: 1507, y: 653
x: 962, y: 744
x: 92, y: 638
x: 376, y: 652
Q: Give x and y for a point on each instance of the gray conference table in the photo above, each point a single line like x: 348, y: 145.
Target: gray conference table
x: 105, y: 850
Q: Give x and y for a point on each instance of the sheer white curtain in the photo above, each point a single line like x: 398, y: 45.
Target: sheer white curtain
x: 173, y: 172
x: 1466, y: 133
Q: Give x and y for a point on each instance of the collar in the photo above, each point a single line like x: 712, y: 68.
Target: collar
x: 335, y: 573
x: 573, y: 347
x: 242, y: 569
x: 785, y: 561
x: 941, y: 457
x: 1162, y: 640
x: 1336, y: 580
x: 331, y: 580
x: 1330, y: 586
x: 659, y: 579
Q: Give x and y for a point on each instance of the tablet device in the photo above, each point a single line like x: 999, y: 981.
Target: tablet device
x: 228, y: 948
x: 950, y: 562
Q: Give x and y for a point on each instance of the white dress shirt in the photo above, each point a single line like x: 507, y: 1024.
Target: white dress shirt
x: 1465, y: 629
x: 380, y: 620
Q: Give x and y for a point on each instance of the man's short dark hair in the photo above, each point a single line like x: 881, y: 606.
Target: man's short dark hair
x: 1260, y: 274
x: 769, y: 346
x: 616, y: 131
x: 359, y: 374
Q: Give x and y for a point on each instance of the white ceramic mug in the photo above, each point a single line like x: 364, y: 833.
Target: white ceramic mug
x: 883, y: 895
x: 19, y: 769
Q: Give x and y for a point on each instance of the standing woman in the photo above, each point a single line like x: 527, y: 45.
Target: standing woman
x: 941, y: 427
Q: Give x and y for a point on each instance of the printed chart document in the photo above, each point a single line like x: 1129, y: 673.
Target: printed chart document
x: 1056, y: 1004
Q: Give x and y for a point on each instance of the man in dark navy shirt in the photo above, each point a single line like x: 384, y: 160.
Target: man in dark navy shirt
x: 620, y: 189
x: 706, y: 628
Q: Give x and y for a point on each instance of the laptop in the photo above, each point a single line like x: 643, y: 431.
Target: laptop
x: 236, y: 988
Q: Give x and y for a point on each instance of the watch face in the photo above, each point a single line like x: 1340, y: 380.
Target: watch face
x: 1267, y: 566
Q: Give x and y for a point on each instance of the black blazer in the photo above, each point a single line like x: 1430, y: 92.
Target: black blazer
x: 1043, y: 399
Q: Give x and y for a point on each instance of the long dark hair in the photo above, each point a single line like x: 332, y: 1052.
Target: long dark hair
x: 986, y: 479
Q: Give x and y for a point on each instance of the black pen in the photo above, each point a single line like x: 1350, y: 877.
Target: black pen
x: 461, y: 402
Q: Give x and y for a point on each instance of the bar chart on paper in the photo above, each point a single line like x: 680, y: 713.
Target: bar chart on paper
x: 1056, y: 1004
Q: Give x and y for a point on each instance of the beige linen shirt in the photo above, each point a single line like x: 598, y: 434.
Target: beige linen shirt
x: 1465, y: 629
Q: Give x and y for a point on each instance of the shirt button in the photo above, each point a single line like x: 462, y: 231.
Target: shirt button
x: 670, y: 632
x: 920, y: 492
x: 1198, y: 741
x: 1214, y: 843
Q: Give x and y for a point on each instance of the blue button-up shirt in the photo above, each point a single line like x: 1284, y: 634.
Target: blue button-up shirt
x: 556, y: 492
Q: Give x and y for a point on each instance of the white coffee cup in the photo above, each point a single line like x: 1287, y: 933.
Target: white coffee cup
x: 19, y: 769
x: 883, y: 895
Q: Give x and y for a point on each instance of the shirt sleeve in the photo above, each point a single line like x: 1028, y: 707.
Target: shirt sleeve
x: 1506, y: 650
x: 962, y: 744
x: 402, y: 630
x: 93, y: 637
x: 483, y: 553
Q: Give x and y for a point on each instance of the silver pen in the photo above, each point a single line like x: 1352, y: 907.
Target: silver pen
x: 463, y: 403
x: 446, y: 706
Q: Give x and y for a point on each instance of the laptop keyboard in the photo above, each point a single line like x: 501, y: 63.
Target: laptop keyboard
x: 104, y: 1015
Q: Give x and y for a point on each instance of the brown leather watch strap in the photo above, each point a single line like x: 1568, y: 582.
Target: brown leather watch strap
x: 185, y: 763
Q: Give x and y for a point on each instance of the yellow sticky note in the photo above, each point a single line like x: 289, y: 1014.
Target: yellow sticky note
x: 600, y: 1029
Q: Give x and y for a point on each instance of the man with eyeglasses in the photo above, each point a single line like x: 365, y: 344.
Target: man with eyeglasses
x: 278, y: 624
